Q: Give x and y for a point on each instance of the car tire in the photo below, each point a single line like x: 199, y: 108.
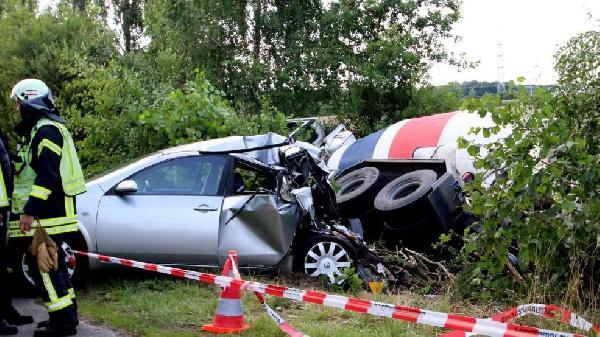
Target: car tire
x: 324, y: 255
x: 78, y: 269
x: 23, y: 284
x: 357, y: 191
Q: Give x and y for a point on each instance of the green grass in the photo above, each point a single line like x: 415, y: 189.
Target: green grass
x: 158, y: 306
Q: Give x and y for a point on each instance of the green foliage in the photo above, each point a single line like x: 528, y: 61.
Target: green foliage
x: 477, y: 89
x: 359, y: 59
x: 103, y: 105
x: 115, y: 118
x: 268, y: 119
x: 118, y: 106
x: 347, y: 281
x: 43, y: 46
x: 547, y: 204
x: 257, y: 59
x: 487, y: 102
x: 431, y: 100
x: 419, y: 102
x: 199, y: 111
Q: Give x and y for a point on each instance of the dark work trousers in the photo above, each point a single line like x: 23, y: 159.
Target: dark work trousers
x: 55, y: 288
x: 6, y: 308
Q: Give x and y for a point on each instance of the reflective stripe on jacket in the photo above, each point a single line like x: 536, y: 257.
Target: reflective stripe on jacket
x: 70, y: 169
x: 5, y: 173
x: 49, y: 196
x: 4, y: 199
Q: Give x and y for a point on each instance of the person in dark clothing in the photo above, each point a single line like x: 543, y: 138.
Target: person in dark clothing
x: 8, y: 315
x: 48, y: 176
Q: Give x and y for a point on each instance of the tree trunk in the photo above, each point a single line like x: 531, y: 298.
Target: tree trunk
x: 257, y: 28
x: 256, y: 44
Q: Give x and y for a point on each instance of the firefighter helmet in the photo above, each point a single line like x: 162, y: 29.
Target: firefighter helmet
x: 35, y: 96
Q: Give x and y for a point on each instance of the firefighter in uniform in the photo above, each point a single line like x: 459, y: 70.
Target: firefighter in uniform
x: 48, y: 177
x: 8, y: 314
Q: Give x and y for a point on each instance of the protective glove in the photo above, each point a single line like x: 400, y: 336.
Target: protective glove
x: 45, y: 249
x: 38, y: 237
x: 43, y: 259
x: 53, y: 252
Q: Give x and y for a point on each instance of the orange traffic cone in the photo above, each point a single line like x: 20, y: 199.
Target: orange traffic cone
x: 230, y: 313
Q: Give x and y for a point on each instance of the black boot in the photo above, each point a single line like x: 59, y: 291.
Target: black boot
x: 52, y: 330
x: 15, y: 318
x: 7, y: 329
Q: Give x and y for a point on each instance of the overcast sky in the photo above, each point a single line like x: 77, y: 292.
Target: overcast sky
x: 529, y: 32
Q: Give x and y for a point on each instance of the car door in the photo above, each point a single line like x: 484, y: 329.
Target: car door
x: 253, y: 210
x: 172, y: 218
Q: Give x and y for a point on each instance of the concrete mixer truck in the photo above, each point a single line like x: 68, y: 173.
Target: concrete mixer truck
x: 405, y: 181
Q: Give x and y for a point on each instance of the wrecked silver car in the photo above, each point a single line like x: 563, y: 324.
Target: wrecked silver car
x: 188, y: 206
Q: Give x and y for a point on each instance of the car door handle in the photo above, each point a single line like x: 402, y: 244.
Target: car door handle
x: 205, y: 208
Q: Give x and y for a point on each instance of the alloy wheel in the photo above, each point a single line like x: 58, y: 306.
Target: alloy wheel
x: 327, y: 258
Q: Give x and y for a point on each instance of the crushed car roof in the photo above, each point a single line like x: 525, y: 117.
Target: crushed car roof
x: 263, y: 148
x: 236, y: 143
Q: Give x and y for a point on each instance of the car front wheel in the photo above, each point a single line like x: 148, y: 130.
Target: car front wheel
x: 326, y: 255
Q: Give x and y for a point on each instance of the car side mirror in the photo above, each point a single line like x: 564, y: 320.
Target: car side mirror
x: 126, y: 187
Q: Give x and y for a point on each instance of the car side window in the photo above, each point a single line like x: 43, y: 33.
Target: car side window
x: 199, y: 175
x: 247, y: 180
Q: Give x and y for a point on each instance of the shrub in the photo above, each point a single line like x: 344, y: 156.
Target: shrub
x: 546, y: 207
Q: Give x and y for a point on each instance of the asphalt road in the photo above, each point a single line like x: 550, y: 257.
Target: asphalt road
x: 28, y: 306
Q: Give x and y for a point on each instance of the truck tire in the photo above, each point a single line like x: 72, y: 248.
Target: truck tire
x: 404, y: 191
x: 357, y: 191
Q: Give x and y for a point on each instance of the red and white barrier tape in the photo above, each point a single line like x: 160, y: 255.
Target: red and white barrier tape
x: 548, y: 311
x: 544, y: 310
x: 403, y: 313
x: 281, y: 323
